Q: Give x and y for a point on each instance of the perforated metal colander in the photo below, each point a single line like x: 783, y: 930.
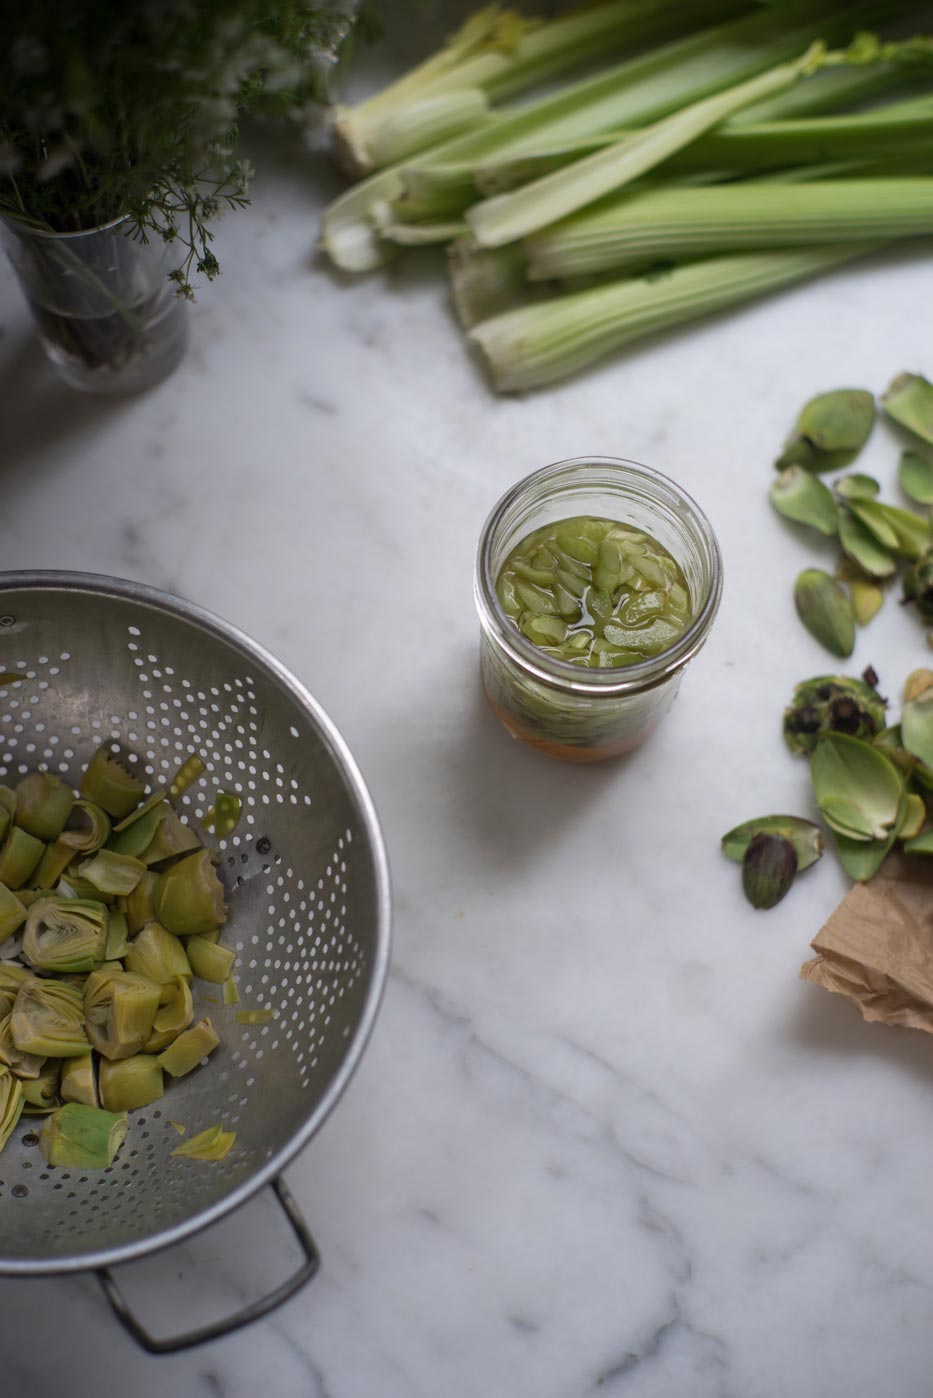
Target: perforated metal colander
x: 99, y: 660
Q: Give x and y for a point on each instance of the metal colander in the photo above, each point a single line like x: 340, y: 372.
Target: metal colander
x: 97, y: 661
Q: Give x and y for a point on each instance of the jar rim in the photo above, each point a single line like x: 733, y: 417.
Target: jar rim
x: 561, y: 674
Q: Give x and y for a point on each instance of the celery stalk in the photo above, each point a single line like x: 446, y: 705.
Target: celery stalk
x: 832, y: 90
x: 538, y: 344
x: 438, y: 116
x: 680, y: 223
x: 416, y: 235
x: 632, y: 94
x: 495, y: 55
x: 507, y: 217
x: 896, y: 129
x: 903, y: 127
x: 438, y: 182
x: 485, y: 281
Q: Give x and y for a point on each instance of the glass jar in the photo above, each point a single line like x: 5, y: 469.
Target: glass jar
x: 108, y: 317
x: 563, y: 710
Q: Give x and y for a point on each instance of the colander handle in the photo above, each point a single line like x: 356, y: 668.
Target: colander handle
x: 171, y: 1344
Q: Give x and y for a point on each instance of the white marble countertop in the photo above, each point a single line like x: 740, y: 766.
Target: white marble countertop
x: 603, y: 1139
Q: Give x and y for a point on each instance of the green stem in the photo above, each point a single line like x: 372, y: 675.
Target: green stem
x: 539, y: 344
x: 507, y: 217
x: 672, y: 224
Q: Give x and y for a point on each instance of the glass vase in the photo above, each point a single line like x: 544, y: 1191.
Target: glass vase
x: 108, y: 317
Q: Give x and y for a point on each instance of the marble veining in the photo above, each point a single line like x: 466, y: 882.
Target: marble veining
x: 603, y: 1141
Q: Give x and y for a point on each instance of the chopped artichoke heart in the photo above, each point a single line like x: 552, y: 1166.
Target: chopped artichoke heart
x: 23, y: 1064
x: 43, y: 805
x: 209, y: 960
x: 40, y: 1094
x: 19, y: 856
x: 175, y: 1013
x: 157, y: 954
x: 189, y: 898
x: 79, y: 1081
x: 138, y: 905
x: 189, y: 1049
x: 170, y: 837
x: 12, y: 913
x: 65, y: 935
x: 81, y: 1137
x: 105, y: 968
x: 11, y: 1104
x: 48, y: 1019
x: 130, y: 1083
x: 87, y: 828
x: 108, y: 784
x: 120, y: 1007
x: 112, y: 873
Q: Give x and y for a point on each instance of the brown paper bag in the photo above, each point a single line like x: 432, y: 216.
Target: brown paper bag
x: 877, y: 947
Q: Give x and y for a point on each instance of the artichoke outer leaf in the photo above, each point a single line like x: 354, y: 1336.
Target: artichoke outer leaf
x: 804, y: 835
x: 857, y: 788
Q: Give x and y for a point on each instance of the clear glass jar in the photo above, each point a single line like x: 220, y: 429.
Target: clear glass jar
x: 108, y: 317
x: 577, y: 714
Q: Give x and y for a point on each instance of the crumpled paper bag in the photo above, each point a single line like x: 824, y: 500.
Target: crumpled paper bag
x: 877, y: 947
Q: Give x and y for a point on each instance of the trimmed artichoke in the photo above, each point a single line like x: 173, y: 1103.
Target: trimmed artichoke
x: 210, y: 961
x: 19, y: 857
x: 12, y: 913
x: 65, y: 935
x: 40, y: 1094
x: 55, y: 860
x: 43, y: 805
x: 83, y: 1138
x: 170, y: 837
x: 11, y: 1104
x: 48, y: 1019
x: 87, y: 828
x: 130, y: 1083
x: 138, y: 905
x: 108, y: 784
x: 132, y: 835
x: 157, y: 954
x: 79, y: 1081
x: 120, y: 1008
x: 175, y: 1013
x: 24, y: 1065
x: 116, y: 936
x: 189, y: 897
x: 117, y: 874
x: 189, y: 1049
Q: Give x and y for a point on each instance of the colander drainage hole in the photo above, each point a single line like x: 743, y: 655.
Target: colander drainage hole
x: 30, y: 1139
x: 19, y: 1191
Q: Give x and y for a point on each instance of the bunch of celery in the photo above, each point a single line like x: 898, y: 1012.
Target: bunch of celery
x: 759, y: 146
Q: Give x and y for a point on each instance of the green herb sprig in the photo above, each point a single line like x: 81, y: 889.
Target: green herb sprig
x: 134, y: 110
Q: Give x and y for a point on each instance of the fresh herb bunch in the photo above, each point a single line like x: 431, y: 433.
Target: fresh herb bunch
x: 113, y: 110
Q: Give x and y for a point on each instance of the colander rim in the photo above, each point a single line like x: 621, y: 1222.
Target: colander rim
x: 25, y: 580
